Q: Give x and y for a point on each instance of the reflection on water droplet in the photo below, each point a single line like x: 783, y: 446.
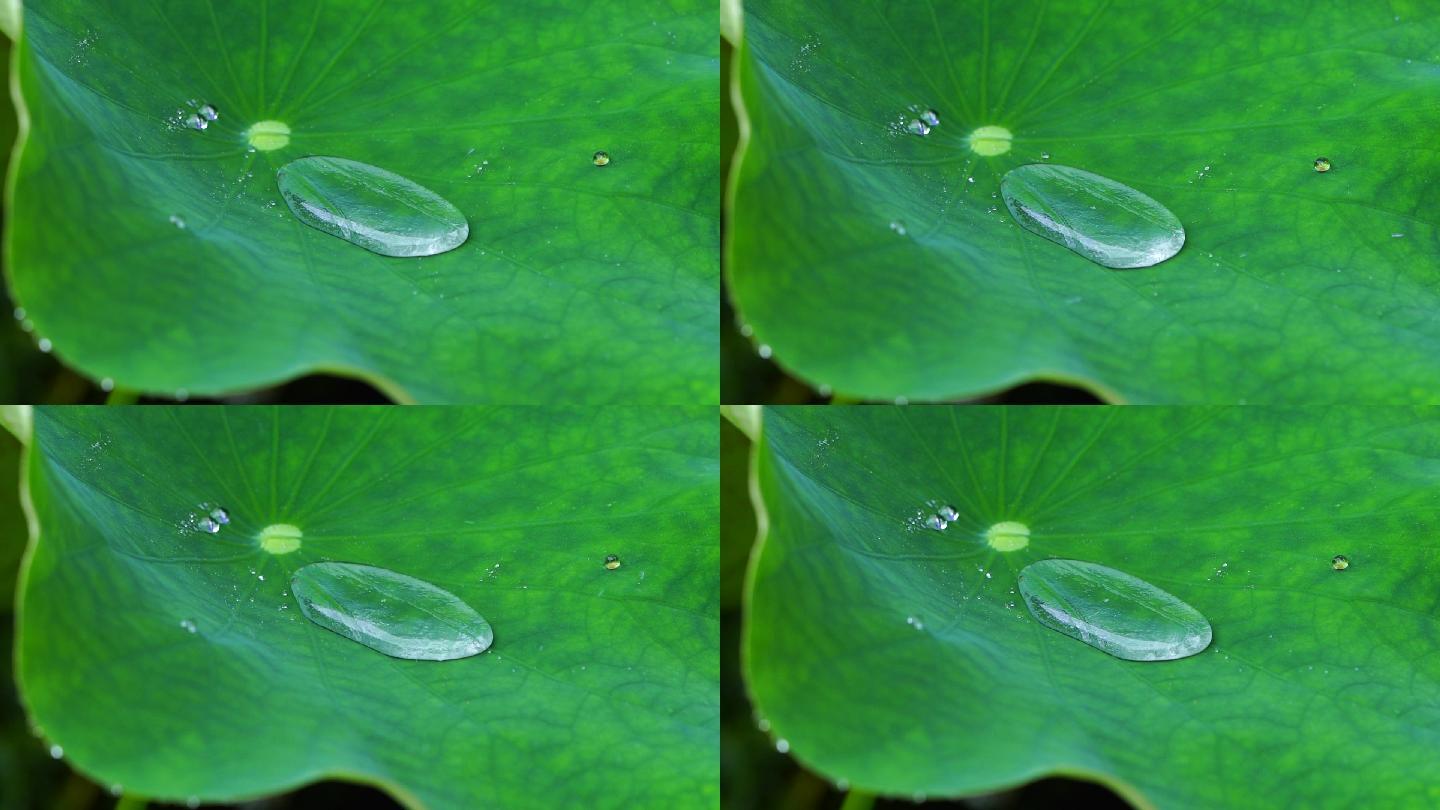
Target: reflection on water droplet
x: 897, y: 226
x: 389, y: 612
x: 187, y: 625
x: 612, y: 561
x: 917, y: 127
x: 219, y: 515
x: 1112, y: 611
x: 177, y: 221
x: 209, y: 113
x: 783, y: 746
x: 1322, y: 165
x: 936, y: 522
x: 1340, y: 562
x: 206, y: 524
x: 930, y: 117
x: 196, y: 122
x: 56, y: 752
x: 44, y: 345
x: 948, y: 512
x: 371, y: 207
x: 601, y: 159
x: 1103, y: 220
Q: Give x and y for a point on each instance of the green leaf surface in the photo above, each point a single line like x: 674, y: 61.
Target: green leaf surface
x: 1293, y: 286
x: 577, y: 283
x: 901, y: 660
x: 175, y: 662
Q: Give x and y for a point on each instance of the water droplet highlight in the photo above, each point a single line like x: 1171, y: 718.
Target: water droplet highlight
x: 177, y: 221
x: 1112, y: 611
x: 612, y: 562
x: 207, y: 525
x: 267, y: 136
x: 1340, y: 562
x: 930, y: 117
x: 371, y: 207
x: 1008, y: 535
x: 937, y: 523
x: 188, y: 626
x: 897, y: 226
x: 56, y: 752
x: 600, y: 159
x: 990, y: 141
x: 948, y: 512
x: 1322, y: 165
x: 196, y: 122
x: 917, y: 127
x: 220, y: 515
x: 208, y: 112
x: 280, y: 538
x: 389, y: 612
x: 1103, y: 220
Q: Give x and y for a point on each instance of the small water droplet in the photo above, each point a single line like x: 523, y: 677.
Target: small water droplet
x: 207, y: 525
x: 209, y: 113
x: 1140, y: 622
x: 44, y: 345
x: 19, y: 313
x: 897, y: 226
x: 612, y: 561
x: 220, y: 515
x: 178, y: 221
x: 1044, y: 155
x: 936, y: 522
x: 421, y: 621
x: 1322, y: 165
x: 1397, y: 236
x: 600, y: 159
x: 914, y: 622
x: 56, y: 752
x: 1340, y: 562
x: 1101, y: 219
x: 196, y: 122
x: 948, y: 512
x: 371, y: 207
x: 917, y: 127
x: 764, y: 351
x: 187, y: 625
x: 782, y: 745
x: 930, y: 117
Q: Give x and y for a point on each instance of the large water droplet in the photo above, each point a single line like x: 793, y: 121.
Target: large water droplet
x: 280, y: 538
x: 268, y: 135
x: 1007, y: 535
x: 392, y: 613
x: 1112, y: 611
x: 1103, y: 220
x: 370, y: 207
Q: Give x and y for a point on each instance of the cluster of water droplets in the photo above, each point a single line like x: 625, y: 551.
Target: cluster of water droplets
x: 198, y: 116
x: 207, y: 518
x: 920, y: 120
